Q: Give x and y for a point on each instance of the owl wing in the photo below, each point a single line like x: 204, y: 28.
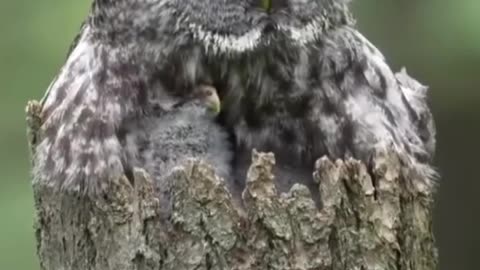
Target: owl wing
x: 416, y: 98
x: 69, y: 52
x: 82, y: 111
x: 373, y: 106
x: 404, y: 102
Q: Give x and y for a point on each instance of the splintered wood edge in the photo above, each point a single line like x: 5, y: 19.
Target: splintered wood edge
x: 364, y: 223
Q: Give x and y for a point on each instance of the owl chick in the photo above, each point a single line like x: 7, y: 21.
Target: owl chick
x: 185, y: 130
x: 295, y: 77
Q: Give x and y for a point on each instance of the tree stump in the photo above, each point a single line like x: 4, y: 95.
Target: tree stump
x: 371, y: 219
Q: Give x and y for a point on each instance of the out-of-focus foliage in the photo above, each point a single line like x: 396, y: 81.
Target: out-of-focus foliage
x: 34, y: 38
x: 438, y: 41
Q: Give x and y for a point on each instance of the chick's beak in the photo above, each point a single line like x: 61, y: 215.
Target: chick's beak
x: 214, y: 104
x: 212, y: 100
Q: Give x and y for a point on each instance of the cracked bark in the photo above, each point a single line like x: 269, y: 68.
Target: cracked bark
x: 371, y: 219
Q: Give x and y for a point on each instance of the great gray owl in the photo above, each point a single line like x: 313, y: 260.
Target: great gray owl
x: 294, y: 77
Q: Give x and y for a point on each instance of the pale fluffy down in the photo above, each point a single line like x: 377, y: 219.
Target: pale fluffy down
x: 166, y: 142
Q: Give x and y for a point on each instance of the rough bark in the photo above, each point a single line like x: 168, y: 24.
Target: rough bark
x: 377, y: 218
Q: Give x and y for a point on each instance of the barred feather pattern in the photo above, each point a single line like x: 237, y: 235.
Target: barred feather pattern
x: 301, y: 82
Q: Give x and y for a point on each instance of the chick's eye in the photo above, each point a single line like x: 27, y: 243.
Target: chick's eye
x: 208, y: 93
x: 206, y: 90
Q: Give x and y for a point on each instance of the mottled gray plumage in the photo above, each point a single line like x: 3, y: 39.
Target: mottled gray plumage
x: 298, y: 80
x: 175, y: 134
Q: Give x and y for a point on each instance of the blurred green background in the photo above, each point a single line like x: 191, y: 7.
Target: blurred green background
x: 438, y: 40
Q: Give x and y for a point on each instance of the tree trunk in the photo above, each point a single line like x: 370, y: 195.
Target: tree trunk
x: 370, y: 219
